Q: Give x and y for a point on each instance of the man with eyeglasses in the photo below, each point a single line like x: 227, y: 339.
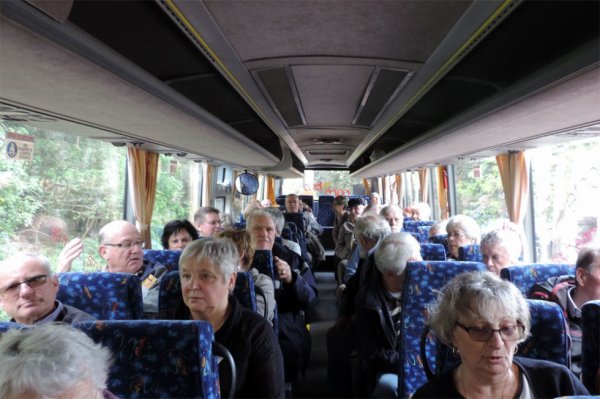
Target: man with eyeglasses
x: 207, y: 221
x: 28, y: 291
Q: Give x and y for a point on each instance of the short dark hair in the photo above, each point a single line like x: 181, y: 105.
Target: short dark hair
x: 173, y: 227
x: 586, y: 257
x: 340, y: 200
x: 356, y: 202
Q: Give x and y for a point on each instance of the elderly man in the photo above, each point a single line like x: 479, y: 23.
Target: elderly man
x: 28, y: 291
x: 207, y: 221
x: 294, y: 205
x: 394, y: 216
x: 297, y: 293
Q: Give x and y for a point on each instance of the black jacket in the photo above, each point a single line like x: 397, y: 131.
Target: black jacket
x: 546, y: 380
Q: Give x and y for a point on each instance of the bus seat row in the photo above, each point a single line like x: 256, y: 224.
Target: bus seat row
x: 590, y: 357
x: 158, y: 358
x: 525, y: 276
x: 432, y: 251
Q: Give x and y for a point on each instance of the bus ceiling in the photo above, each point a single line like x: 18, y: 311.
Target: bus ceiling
x: 369, y: 86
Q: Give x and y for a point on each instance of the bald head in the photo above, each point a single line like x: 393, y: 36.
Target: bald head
x: 120, y: 244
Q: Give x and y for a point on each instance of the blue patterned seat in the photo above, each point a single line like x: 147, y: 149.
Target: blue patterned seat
x: 424, y: 233
x: 326, y: 215
x: 104, y: 295
x: 169, y: 259
x: 169, y: 294
x: 549, y: 339
x: 590, y: 361
x: 525, y: 276
x: 470, y: 253
x: 417, y: 236
x: 263, y: 262
x: 413, y: 225
x: 421, y: 279
x: 158, y: 358
x: 440, y: 239
x: 5, y: 325
x: 432, y: 251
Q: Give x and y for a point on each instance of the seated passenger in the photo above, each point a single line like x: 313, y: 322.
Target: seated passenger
x: 52, y: 361
x: 484, y: 318
x: 374, y: 205
x: 438, y: 228
x: 345, y: 243
x: 571, y: 293
x: 28, y: 291
x: 177, y: 234
x: 265, y: 303
x: 266, y: 203
x: 379, y: 315
x: 279, y: 220
x: 462, y: 230
x: 207, y: 221
x: 421, y: 211
x: 500, y: 249
x: 294, y: 205
x: 296, y: 293
x: 394, y: 217
x: 340, y: 203
x: 207, y: 269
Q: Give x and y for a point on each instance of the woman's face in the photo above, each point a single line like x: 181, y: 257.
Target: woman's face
x: 495, y: 257
x: 486, y: 357
x: 204, y: 290
x: 179, y: 239
x: 456, y: 239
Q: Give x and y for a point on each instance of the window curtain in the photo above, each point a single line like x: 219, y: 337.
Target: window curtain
x: 143, y: 173
x: 515, y: 182
x: 207, y: 185
x: 271, y: 189
x: 399, y: 189
x: 423, y: 179
x: 442, y: 186
x: 367, y: 187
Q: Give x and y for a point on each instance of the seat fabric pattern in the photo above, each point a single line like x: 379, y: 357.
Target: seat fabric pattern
x: 413, y: 225
x: 422, y: 278
x: 158, y: 358
x: 104, y: 295
x: 525, y: 276
x: 470, y: 253
x: 432, y: 251
x: 440, y: 239
x: 326, y: 215
x: 167, y: 258
x: 244, y: 290
x: 590, y: 357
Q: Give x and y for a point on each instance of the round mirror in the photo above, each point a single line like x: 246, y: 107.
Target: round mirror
x: 246, y: 183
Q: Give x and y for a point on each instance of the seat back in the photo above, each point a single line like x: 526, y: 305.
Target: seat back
x: 5, y: 325
x: 104, y: 295
x: 525, y: 276
x: 413, y: 225
x: 549, y: 339
x: 424, y: 233
x: 326, y: 214
x: 263, y: 262
x: 417, y: 236
x: 308, y: 200
x: 167, y: 258
x: 422, y: 278
x: 440, y: 239
x: 590, y: 343
x: 280, y: 200
x: 432, y: 251
x: 169, y: 294
x: 471, y: 253
x: 158, y: 358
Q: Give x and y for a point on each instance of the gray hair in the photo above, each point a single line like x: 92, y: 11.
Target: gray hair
x: 395, y: 250
x: 387, y: 210
x: 201, y: 213
x: 221, y: 252
x: 507, y: 239
x: 475, y: 295
x: 258, y: 214
x: 466, y: 224
x: 278, y: 218
x: 42, y: 260
x: 49, y: 360
x: 372, y: 226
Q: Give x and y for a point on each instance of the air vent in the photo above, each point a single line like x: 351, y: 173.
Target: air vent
x: 383, y: 87
x: 337, y: 153
x: 327, y: 141
x: 13, y: 114
x: 280, y: 89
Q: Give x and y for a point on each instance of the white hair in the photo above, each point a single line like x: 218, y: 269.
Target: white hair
x: 395, y: 250
x: 372, y: 226
x: 507, y: 239
x: 466, y: 224
x: 50, y: 360
x: 220, y: 252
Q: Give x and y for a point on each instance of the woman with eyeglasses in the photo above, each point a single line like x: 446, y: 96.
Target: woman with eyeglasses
x: 483, y: 319
x: 462, y: 230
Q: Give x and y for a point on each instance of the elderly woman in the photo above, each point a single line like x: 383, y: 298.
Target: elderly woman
x: 177, y: 234
x: 462, y: 230
x: 484, y: 318
x: 52, y: 361
x: 500, y: 249
x: 379, y: 314
x: 207, y: 269
x: 265, y: 301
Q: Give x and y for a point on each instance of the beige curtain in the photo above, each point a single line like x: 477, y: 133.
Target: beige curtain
x: 442, y: 186
x: 143, y: 172
x: 367, y: 187
x: 271, y: 189
x: 207, y: 185
x: 423, y: 180
x: 398, y: 190
x: 515, y: 182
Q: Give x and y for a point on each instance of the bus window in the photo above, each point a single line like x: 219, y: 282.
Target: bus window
x: 71, y: 188
x: 566, y: 187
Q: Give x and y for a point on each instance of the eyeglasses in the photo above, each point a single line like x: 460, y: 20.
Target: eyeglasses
x: 508, y: 333
x: 127, y: 245
x: 32, y: 282
x: 456, y: 235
